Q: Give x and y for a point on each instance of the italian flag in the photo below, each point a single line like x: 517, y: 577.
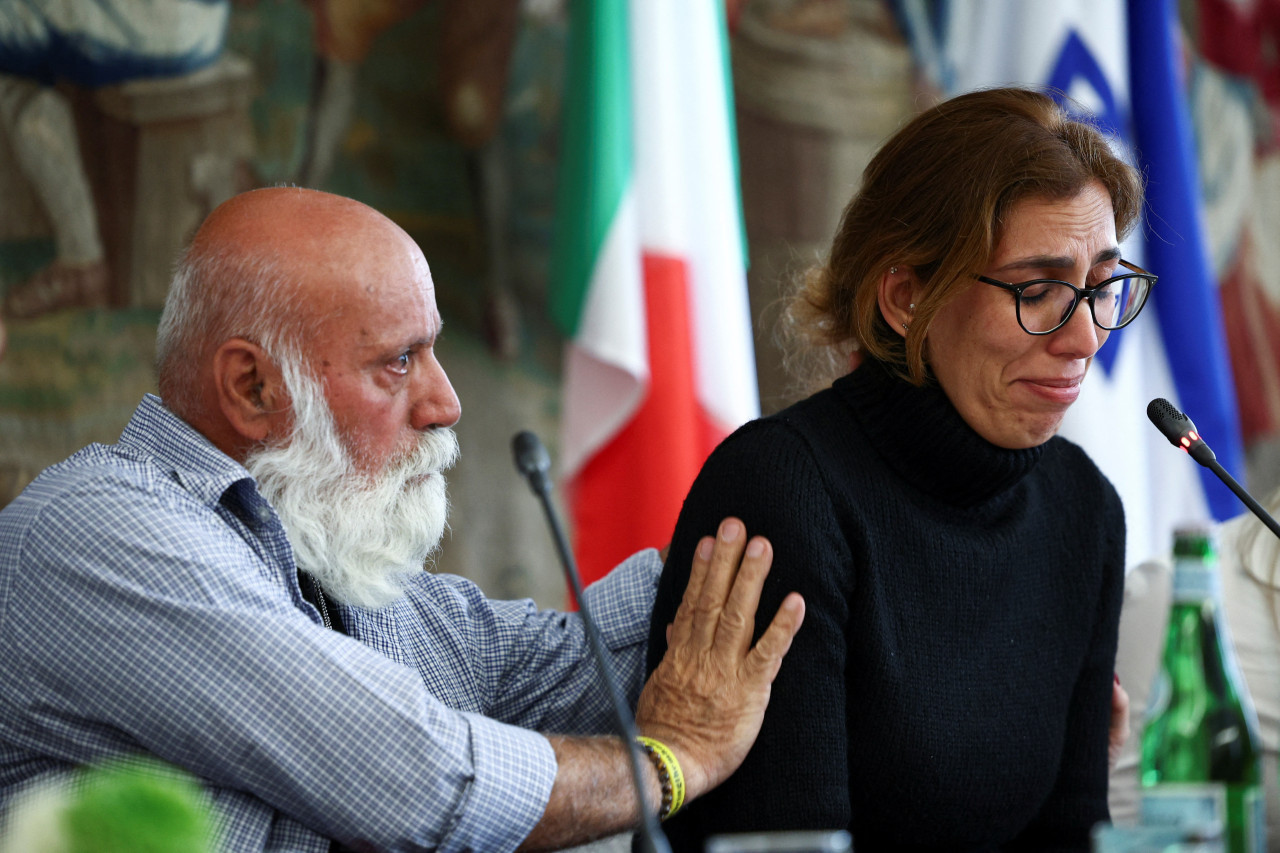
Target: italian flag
x: 649, y: 273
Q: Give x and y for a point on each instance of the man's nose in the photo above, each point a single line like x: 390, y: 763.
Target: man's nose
x: 436, y: 405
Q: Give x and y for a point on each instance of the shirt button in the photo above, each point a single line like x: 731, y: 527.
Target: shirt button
x: 264, y: 514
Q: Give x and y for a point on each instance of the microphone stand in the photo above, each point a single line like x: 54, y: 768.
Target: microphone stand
x: 1181, y: 432
x: 533, y: 463
x: 1263, y: 516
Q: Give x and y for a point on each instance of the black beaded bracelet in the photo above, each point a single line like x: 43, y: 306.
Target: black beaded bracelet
x: 670, y: 776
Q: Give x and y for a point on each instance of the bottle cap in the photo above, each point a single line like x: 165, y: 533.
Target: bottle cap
x: 1194, y: 540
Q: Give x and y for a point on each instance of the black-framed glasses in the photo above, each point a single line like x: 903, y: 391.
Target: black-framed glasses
x: 1046, y: 304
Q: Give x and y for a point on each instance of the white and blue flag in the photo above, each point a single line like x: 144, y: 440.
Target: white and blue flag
x: 1118, y: 59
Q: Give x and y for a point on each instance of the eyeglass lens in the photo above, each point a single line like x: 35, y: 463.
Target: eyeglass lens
x: 1045, y: 305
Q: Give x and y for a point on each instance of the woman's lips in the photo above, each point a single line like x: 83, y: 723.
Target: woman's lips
x: 1058, y: 390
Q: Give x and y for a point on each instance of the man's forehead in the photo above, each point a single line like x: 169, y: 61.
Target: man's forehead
x: 385, y: 268
x: 387, y: 315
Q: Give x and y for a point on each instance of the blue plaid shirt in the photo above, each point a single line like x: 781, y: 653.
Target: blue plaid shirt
x: 149, y: 602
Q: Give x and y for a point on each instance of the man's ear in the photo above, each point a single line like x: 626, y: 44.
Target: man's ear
x: 897, y: 293
x: 250, y: 389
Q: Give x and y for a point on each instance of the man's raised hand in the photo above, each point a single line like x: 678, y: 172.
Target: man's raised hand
x: 706, y: 700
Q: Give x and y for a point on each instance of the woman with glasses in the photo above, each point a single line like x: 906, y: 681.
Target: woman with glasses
x: 962, y: 566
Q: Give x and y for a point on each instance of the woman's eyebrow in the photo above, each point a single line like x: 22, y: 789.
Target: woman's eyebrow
x: 1059, y: 262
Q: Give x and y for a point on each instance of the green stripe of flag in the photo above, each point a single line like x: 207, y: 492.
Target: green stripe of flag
x: 731, y: 121
x: 595, y: 150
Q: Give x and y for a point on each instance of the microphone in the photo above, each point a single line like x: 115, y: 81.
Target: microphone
x: 1181, y: 432
x: 533, y: 463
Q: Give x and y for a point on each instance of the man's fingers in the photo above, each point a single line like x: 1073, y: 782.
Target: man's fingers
x: 679, y: 630
x: 730, y: 543
x: 765, y: 659
x: 738, y: 619
x: 701, y: 564
x: 708, y: 706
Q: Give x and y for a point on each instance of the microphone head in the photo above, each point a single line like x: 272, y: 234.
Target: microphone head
x: 531, y: 457
x: 1172, y: 423
x: 1180, y: 431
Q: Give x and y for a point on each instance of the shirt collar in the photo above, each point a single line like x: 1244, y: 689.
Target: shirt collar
x: 181, y: 449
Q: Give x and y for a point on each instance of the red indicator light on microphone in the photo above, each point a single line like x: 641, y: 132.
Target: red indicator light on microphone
x: 1186, y: 443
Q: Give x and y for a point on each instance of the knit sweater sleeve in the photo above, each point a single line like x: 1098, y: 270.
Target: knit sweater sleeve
x: 795, y: 776
x: 1078, y: 800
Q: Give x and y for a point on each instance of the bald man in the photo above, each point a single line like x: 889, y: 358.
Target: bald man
x: 236, y: 586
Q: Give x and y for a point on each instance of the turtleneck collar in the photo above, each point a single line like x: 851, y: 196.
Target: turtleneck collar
x: 924, y: 440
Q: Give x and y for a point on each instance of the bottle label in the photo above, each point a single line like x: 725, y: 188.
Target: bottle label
x: 1204, y: 805
x: 1185, y: 804
x: 1193, y: 581
x: 1255, y: 830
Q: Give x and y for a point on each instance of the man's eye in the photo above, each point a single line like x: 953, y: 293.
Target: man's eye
x: 401, y: 364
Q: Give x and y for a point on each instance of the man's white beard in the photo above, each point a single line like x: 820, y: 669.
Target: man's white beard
x: 361, y: 536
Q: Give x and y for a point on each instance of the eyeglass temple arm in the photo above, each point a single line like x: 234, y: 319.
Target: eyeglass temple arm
x: 1134, y: 267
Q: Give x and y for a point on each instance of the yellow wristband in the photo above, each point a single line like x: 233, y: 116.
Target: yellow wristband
x: 669, y: 775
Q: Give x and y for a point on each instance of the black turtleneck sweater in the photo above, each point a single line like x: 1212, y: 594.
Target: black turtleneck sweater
x: 950, y: 687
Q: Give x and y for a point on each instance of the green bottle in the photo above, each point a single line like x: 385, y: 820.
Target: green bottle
x: 1200, y: 745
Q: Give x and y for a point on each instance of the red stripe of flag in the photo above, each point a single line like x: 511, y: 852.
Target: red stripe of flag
x: 615, y: 495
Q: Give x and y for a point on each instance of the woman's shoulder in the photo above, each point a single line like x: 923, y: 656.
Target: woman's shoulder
x: 811, y: 427
x: 1073, y: 478
x: 790, y: 471
x: 1066, y: 458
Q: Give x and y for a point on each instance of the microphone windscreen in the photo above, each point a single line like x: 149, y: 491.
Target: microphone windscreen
x: 531, y: 457
x: 1172, y: 423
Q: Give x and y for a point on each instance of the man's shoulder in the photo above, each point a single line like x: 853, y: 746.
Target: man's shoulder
x: 158, y: 459
x: 93, y: 473
x: 96, y: 493
x: 134, y: 489
x: 120, y: 523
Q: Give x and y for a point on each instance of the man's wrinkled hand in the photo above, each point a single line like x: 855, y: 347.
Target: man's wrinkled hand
x: 706, y: 700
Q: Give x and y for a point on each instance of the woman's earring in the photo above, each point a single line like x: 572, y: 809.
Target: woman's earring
x: 893, y: 270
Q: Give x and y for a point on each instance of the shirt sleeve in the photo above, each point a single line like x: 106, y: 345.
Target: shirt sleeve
x: 554, y: 683
x: 530, y: 667
x: 162, y: 630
